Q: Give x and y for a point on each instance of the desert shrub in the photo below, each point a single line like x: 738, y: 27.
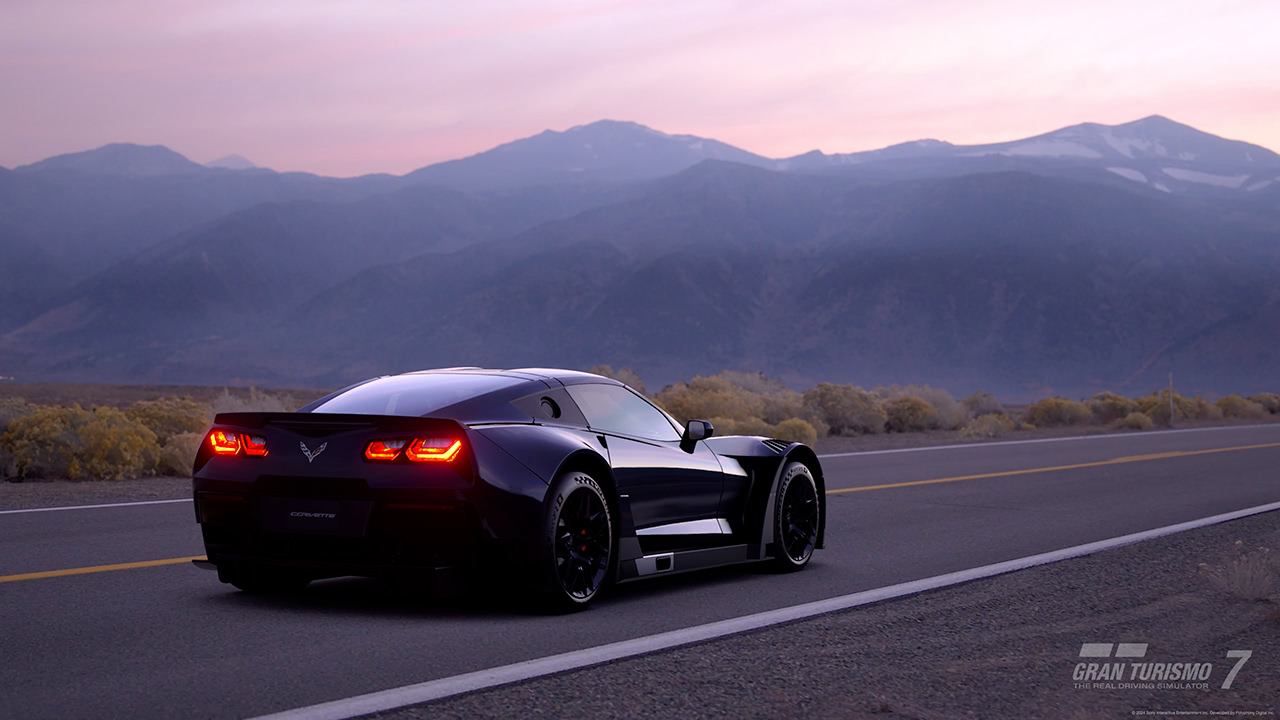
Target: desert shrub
x: 983, y: 403
x: 780, y: 402
x: 948, y: 413
x: 178, y: 454
x: 1134, y: 421
x: 989, y: 425
x: 114, y: 446
x: 1250, y: 575
x: 1156, y: 407
x: 1269, y: 401
x: 625, y: 375
x: 796, y: 430
x: 43, y: 443
x: 1197, y: 408
x: 1108, y: 407
x: 709, y: 397
x: 909, y: 413
x: 257, y: 401
x: 845, y: 409
x: 746, y: 426
x: 1056, y: 412
x: 1235, y: 406
x: 171, y: 416
x: 71, y: 442
x: 13, y: 408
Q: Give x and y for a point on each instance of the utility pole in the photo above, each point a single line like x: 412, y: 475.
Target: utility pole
x: 1170, y: 399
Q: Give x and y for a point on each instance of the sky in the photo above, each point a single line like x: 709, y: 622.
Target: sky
x: 347, y: 87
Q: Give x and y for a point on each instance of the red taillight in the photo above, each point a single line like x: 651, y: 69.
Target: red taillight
x: 225, y: 442
x: 384, y: 449
x: 254, y: 445
x: 434, y: 450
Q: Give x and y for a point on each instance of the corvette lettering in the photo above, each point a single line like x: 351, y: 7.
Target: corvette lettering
x: 312, y: 515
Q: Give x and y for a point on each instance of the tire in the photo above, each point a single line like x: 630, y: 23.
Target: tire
x: 261, y: 580
x: 576, y: 554
x: 797, y: 518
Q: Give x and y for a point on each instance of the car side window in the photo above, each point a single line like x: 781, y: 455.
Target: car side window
x: 613, y: 408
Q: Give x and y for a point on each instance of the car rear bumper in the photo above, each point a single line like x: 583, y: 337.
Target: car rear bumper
x: 333, y: 532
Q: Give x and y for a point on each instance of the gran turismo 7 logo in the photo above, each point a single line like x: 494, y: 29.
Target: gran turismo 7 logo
x: 312, y: 455
x: 1134, y: 674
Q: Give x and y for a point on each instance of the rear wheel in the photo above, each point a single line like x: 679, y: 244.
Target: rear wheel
x: 262, y: 580
x: 576, y: 554
x: 796, y: 518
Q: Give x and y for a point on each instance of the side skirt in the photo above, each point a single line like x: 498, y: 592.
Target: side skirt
x: 670, y: 563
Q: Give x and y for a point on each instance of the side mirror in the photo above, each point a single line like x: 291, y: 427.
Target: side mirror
x: 696, y: 430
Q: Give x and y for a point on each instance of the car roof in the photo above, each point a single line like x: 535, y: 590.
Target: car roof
x: 564, y: 377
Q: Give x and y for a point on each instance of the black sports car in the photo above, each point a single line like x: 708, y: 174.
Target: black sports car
x: 571, y: 479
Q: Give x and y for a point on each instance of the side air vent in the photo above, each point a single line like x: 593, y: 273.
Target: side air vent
x: 776, y: 445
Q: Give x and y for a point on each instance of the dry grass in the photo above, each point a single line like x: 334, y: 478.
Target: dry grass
x: 1250, y: 575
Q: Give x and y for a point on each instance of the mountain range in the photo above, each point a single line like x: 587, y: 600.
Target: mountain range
x: 1091, y: 257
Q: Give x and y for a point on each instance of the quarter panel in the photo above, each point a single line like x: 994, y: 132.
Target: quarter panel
x: 542, y: 449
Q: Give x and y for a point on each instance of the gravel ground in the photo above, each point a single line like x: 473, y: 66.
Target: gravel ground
x: 57, y: 493
x: 1005, y: 647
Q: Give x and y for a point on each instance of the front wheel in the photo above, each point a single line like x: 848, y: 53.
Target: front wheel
x: 576, y: 553
x: 796, y: 518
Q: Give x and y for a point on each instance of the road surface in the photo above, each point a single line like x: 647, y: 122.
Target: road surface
x: 83, y: 637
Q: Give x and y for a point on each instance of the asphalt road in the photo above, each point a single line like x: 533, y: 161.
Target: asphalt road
x: 170, y: 641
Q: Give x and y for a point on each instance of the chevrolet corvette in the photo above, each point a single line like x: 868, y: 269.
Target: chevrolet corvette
x: 567, y: 480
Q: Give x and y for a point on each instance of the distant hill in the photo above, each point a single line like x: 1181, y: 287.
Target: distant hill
x: 232, y: 162
x: 607, y: 150
x: 1155, y: 152
x: 120, y: 159
x: 1010, y: 282
x: 1089, y: 257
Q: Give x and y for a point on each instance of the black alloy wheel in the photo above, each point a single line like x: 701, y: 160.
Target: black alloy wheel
x: 578, y: 542
x: 798, y: 516
x: 583, y: 540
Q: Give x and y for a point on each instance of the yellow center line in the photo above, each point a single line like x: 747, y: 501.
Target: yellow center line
x: 934, y: 481
x: 1029, y: 471
x: 97, y: 569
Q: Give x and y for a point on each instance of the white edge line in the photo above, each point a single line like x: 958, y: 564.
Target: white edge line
x: 1100, y: 436
x: 91, y: 507
x: 493, y: 677
x: 957, y: 446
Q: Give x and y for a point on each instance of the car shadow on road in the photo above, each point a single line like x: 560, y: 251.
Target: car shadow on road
x: 467, y: 598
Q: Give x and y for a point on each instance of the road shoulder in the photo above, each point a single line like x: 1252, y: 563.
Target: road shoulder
x: 1004, y: 647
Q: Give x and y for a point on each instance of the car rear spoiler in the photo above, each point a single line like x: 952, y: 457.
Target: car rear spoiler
x: 335, y: 421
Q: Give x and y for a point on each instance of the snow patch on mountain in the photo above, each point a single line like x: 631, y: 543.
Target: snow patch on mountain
x: 1128, y: 146
x: 1129, y: 173
x: 1049, y: 148
x: 1195, y: 176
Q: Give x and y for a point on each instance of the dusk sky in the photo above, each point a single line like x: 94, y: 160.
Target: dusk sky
x: 346, y: 87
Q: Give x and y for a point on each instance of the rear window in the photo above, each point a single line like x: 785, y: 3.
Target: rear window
x: 413, y: 395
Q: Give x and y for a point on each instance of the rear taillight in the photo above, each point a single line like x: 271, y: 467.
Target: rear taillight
x: 384, y: 449
x: 434, y: 450
x: 229, y: 442
x: 254, y: 445
x: 224, y: 442
x: 428, y: 449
